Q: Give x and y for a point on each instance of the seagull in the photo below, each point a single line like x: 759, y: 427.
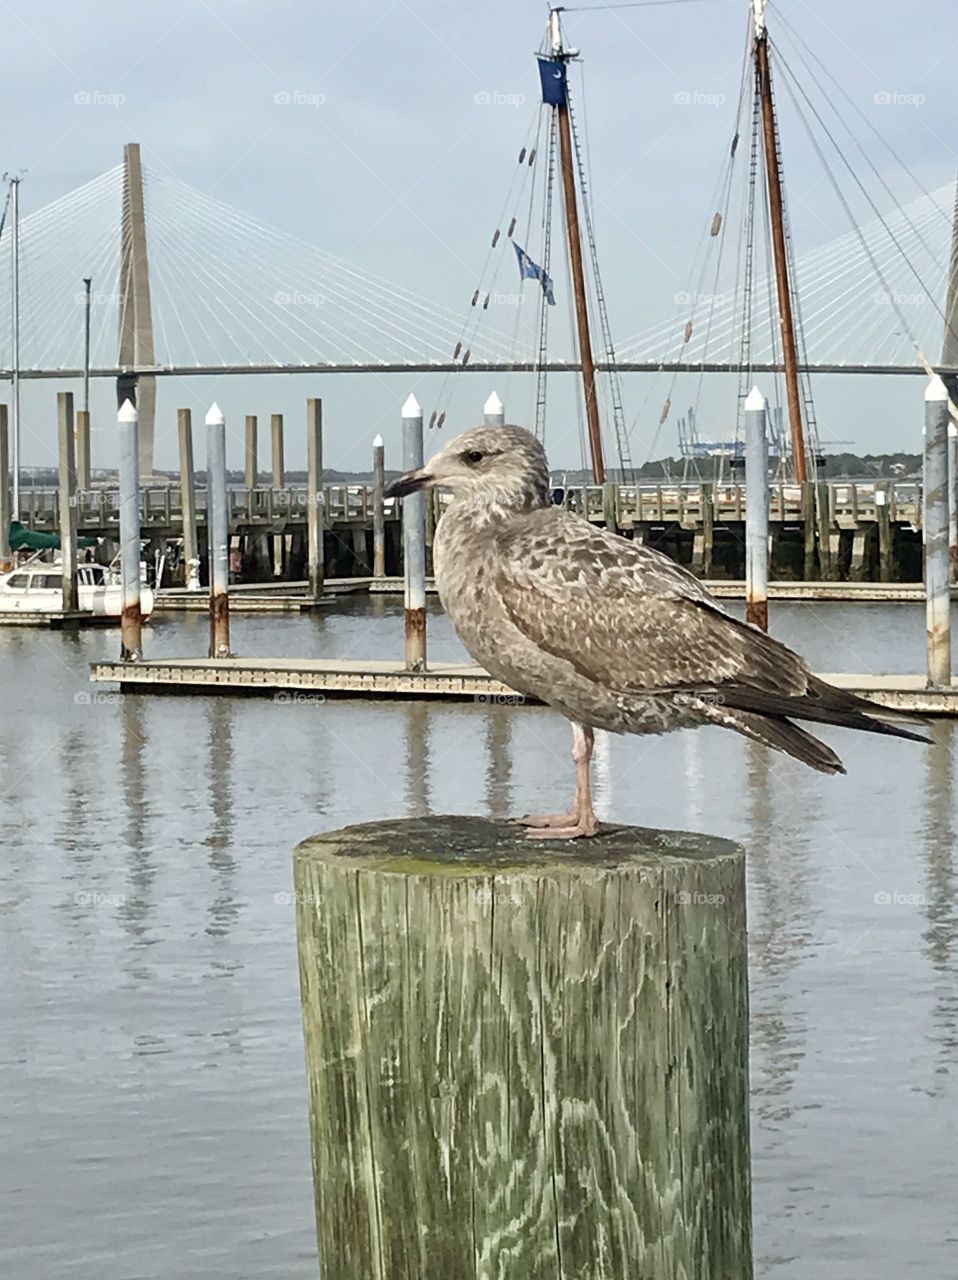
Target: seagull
x: 612, y: 634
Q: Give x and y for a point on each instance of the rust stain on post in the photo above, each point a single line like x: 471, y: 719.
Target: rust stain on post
x: 131, y: 622
x: 756, y: 612
x: 415, y: 639
x: 219, y: 625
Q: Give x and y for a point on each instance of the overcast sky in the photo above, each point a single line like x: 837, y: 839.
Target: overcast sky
x: 399, y: 145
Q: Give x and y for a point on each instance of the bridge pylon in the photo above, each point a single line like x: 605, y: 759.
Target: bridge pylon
x: 136, y: 347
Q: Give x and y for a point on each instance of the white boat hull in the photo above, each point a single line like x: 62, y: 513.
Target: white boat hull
x: 105, y: 601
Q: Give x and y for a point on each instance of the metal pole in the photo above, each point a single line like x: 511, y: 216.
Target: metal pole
x: 191, y: 552
x: 87, y: 285
x: 495, y: 414
x: 414, y: 540
x: 15, y: 363
x: 379, y: 511
x: 6, y: 555
x: 953, y: 500
x: 314, y: 495
x: 68, y: 502
x: 217, y: 520
x: 756, y: 510
x: 937, y: 592
x: 131, y: 643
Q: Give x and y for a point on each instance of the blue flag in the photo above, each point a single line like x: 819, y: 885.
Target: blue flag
x: 553, y: 76
x: 529, y: 270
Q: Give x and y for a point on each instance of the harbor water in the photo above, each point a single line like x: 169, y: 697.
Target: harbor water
x: 154, y: 1120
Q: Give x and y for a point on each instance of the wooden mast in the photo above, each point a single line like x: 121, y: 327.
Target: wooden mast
x: 776, y: 206
x: 575, y: 257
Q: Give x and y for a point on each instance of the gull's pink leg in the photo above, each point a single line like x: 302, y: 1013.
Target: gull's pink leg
x: 581, y: 820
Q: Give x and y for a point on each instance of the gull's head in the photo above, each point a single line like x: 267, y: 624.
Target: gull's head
x: 506, y: 465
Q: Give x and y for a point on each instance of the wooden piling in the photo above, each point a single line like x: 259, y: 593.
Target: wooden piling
x: 314, y: 496
x: 886, y: 559
x: 708, y: 526
x: 379, y: 508
x: 67, y: 501
x: 84, y: 473
x: 808, y: 528
x: 953, y: 501
x: 278, y: 456
x: 191, y: 553
x: 829, y: 569
x: 6, y: 555
x: 523, y: 1059
x: 251, y: 453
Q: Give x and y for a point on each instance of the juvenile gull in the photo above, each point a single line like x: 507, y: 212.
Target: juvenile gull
x: 611, y: 633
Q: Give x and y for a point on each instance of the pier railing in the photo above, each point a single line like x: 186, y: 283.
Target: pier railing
x: 689, y: 505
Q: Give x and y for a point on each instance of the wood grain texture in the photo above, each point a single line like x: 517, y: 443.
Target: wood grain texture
x: 526, y: 1061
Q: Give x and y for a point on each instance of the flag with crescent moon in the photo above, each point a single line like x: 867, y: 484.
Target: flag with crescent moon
x: 553, y: 77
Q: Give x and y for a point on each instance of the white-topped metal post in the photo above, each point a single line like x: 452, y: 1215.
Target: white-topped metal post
x: 379, y: 510
x: 494, y: 412
x: 15, y: 323
x: 217, y: 523
x: 953, y: 500
x: 67, y: 493
x: 937, y: 591
x: 6, y: 555
x: 756, y: 509
x: 131, y: 620
x: 414, y: 540
x: 314, y: 496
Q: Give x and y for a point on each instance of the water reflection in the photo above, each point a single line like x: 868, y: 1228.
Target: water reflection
x: 941, y: 934
x: 417, y: 727
x: 498, y: 744
x: 222, y: 907
x: 137, y: 905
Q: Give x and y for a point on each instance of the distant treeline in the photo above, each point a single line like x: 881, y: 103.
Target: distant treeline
x: 836, y: 466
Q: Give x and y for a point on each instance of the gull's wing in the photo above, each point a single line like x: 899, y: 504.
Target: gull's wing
x: 627, y: 617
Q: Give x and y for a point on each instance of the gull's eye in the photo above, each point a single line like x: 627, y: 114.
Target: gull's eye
x: 473, y: 456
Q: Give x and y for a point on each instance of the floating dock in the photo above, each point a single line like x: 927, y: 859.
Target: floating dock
x: 312, y: 679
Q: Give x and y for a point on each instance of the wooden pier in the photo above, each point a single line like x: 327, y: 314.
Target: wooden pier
x: 317, y: 678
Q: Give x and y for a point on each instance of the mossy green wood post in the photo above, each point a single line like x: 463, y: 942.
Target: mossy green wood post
x: 526, y: 1060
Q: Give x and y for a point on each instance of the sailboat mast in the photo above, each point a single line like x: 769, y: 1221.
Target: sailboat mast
x: 777, y: 211
x: 575, y: 258
x: 15, y: 362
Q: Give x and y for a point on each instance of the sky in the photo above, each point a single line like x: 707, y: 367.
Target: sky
x: 385, y: 132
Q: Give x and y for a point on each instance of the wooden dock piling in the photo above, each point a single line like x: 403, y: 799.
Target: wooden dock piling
x: 314, y: 496
x: 68, y: 501
x: 84, y: 473
x: 379, y: 508
x: 251, y: 452
x: 191, y: 553
x: 525, y: 1059
x: 278, y: 451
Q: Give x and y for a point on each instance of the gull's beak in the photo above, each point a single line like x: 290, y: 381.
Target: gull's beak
x: 411, y: 482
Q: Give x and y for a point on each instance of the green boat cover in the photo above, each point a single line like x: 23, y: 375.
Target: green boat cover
x: 24, y: 539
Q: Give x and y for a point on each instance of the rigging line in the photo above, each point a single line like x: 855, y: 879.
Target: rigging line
x: 809, y: 54
x: 864, y: 154
x: 548, y: 193
x: 792, y: 84
x: 629, y: 4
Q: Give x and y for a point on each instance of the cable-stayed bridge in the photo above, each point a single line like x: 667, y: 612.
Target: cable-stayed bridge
x: 184, y: 284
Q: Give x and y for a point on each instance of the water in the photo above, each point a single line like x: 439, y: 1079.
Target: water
x: 153, y: 1095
